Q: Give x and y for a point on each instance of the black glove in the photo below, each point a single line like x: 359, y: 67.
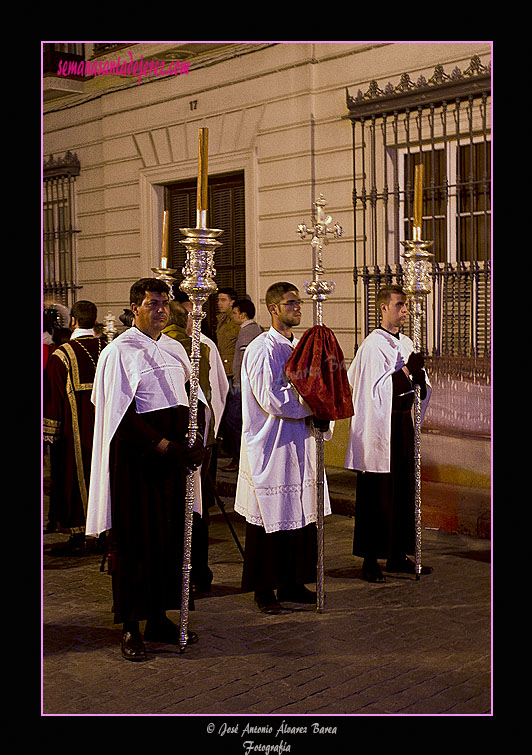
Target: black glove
x: 191, y: 458
x: 320, y: 424
x: 418, y: 377
x: 195, y: 454
x: 415, y: 362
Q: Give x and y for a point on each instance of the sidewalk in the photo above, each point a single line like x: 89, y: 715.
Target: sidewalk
x: 406, y: 647
x: 452, y: 508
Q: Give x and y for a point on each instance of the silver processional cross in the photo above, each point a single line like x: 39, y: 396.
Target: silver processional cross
x: 319, y: 290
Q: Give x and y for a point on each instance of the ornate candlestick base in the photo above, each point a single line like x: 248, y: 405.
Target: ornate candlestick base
x: 417, y: 285
x: 198, y: 271
x: 198, y: 284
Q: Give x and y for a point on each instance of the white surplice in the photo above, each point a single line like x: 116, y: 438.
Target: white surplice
x: 135, y: 367
x: 370, y: 376
x: 218, y: 381
x: 276, y: 486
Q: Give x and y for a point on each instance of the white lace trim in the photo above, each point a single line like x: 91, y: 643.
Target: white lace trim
x: 277, y: 489
x: 286, y: 525
x: 253, y: 516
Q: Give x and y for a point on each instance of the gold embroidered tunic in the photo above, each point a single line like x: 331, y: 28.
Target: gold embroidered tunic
x: 68, y: 423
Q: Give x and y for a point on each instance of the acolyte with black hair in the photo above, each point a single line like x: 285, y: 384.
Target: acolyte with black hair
x: 139, y: 288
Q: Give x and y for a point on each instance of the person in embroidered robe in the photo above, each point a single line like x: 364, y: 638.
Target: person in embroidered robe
x: 276, y: 487
x: 381, y: 440
x: 139, y: 466
x: 68, y: 425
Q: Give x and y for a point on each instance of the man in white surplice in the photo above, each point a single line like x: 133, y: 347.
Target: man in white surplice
x: 276, y: 489
x: 381, y: 439
x: 140, y: 461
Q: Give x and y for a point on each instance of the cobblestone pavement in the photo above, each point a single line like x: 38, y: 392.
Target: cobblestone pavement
x: 408, y: 646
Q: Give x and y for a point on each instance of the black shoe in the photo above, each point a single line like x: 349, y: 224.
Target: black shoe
x: 405, y: 566
x: 371, y: 571
x: 167, y: 632
x: 267, y: 602
x: 299, y: 594
x: 203, y: 582
x: 75, y: 546
x: 132, y: 646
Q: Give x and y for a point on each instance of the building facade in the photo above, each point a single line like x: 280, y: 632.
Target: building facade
x: 287, y: 122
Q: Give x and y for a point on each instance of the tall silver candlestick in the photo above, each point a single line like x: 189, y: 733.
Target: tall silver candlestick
x: 417, y: 285
x: 165, y: 273
x: 198, y: 284
x: 319, y: 290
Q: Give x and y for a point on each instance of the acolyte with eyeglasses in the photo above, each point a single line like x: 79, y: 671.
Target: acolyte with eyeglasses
x: 276, y: 491
x: 291, y: 303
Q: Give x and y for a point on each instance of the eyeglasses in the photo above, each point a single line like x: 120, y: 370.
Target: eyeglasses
x: 291, y: 303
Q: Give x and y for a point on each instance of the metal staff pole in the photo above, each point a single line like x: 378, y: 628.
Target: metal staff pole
x: 109, y: 329
x: 319, y: 290
x: 198, y: 283
x: 417, y: 285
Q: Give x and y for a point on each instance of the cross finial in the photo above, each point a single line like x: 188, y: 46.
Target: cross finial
x: 321, y: 228
x: 319, y: 289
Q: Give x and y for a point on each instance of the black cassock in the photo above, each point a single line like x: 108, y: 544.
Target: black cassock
x: 279, y: 560
x: 148, y: 510
x: 385, y: 502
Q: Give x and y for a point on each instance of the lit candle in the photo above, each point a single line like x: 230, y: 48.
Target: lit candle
x: 203, y: 149
x: 418, y: 195
x: 164, y: 249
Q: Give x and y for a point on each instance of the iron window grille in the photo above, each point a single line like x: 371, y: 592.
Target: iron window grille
x: 59, y: 275
x: 445, y: 122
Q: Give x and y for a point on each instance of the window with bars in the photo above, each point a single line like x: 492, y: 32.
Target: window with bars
x: 226, y: 210
x: 456, y: 214
x: 445, y: 124
x: 456, y: 200
x: 59, y: 177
